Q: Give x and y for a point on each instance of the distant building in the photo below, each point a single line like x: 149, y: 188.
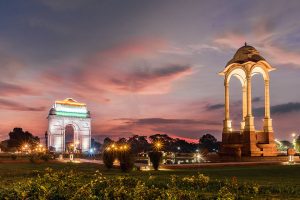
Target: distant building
x: 63, y: 116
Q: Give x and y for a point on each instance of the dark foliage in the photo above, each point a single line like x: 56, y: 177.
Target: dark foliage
x: 18, y: 137
x: 13, y: 157
x: 139, y: 144
x: 208, y: 142
x: 126, y: 161
x: 155, y: 158
x: 108, y: 159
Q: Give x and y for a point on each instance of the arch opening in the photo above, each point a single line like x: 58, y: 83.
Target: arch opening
x: 258, y: 99
x: 69, y: 138
x: 236, y: 103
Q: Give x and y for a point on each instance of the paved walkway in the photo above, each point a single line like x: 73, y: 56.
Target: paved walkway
x: 80, y: 160
x: 196, y: 165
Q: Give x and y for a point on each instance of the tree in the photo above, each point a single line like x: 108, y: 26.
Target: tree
x: 208, y: 142
x: 126, y: 160
x: 167, y: 141
x: 139, y: 144
x: 108, y: 159
x: 107, y: 141
x: 297, y: 144
x: 184, y: 146
x: 155, y: 158
x: 18, y: 137
x: 284, y: 145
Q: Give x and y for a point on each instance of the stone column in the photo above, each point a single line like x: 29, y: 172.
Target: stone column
x: 249, y: 119
x: 244, y: 103
x: 267, y: 99
x: 227, y: 115
x: 227, y: 122
x: 267, y: 120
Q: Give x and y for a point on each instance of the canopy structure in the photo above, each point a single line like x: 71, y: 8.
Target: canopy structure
x: 246, y: 63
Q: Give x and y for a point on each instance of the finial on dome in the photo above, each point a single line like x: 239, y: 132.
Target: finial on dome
x: 246, y: 44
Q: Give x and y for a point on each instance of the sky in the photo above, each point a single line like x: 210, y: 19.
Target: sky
x: 145, y: 67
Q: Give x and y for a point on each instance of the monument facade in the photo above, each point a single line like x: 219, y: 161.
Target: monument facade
x: 69, y: 114
x: 248, y: 141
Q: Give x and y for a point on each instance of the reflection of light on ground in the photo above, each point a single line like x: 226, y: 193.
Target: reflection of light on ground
x: 290, y: 163
x: 145, y: 168
x: 148, y: 168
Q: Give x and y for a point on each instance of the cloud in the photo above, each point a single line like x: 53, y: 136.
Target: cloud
x: 150, y: 80
x: 266, y: 39
x: 162, y: 121
x: 279, y: 109
x: 8, y: 89
x: 122, y: 69
x: 11, y: 105
x: 213, y: 107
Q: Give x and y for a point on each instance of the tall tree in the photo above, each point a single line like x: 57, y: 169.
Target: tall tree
x: 139, y: 144
x: 208, y: 142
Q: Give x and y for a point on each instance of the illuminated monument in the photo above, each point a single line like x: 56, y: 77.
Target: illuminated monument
x: 247, y: 141
x: 69, y: 114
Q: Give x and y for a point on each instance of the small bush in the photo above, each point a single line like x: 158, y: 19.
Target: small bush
x: 13, y: 157
x: 33, y: 158
x: 126, y: 161
x: 108, y: 159
x: 155, y: 158
x: 45, y: 157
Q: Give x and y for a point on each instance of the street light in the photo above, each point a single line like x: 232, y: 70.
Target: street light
x: 158, y: 145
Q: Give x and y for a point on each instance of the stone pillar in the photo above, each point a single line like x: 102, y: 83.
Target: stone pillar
x: 227, y: 122
x: 267, y: 120
x: 249, y: 119
x: 244, y: 103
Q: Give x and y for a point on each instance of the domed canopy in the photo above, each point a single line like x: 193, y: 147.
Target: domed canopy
x: 244, y: 54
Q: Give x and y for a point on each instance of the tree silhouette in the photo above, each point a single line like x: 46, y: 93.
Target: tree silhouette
x: 18, y: 137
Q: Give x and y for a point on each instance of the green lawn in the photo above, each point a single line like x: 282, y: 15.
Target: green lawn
x: 263, y: 175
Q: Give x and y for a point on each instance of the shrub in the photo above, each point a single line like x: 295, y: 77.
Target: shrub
x: 13, y: 157
x: 126, y: 161
x: 155, y: 158
x: 108, y: 159
x: 33, y: 158
x: 45, y: 157
x: 225, y: 194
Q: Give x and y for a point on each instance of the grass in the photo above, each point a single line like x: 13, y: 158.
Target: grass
x: 263, y: 175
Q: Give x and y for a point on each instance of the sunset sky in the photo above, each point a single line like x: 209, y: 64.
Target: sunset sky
x: 145, y: 67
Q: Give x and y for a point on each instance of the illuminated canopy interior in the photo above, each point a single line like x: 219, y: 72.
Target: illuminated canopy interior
x: 70, y: 108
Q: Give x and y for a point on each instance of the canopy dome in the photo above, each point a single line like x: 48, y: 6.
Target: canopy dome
x: 244, y: 54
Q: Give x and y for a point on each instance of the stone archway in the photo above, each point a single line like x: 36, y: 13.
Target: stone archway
x: 246, y: 63
x: 64, y: 114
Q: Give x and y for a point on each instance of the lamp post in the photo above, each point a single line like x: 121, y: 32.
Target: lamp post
x: 158, y: 145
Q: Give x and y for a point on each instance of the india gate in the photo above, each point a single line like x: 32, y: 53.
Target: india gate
x: 69, y: 126
x: 247, y: 141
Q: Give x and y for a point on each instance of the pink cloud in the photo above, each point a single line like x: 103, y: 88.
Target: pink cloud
x: 264, y: 39
x: 121, y: 69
